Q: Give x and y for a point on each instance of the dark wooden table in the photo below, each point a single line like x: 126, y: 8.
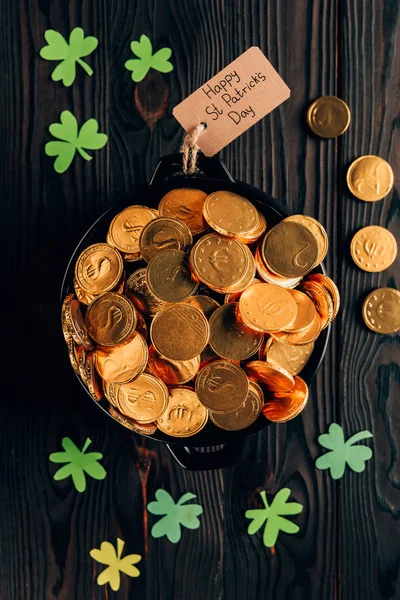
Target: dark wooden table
x: 348, y: 544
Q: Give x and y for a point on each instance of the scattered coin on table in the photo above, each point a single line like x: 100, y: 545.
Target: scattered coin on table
x: 328, y: 116
x: 373, y: 248
x: 370, y: 178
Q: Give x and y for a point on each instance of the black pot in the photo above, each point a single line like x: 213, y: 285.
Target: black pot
x: 213, y: 175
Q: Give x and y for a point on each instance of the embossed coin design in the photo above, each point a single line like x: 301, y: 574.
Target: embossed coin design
x: 185, y: 204
x: 290, y: 249
x: 255, y: 234
x: 169, y: 278
x: 291, y: 358
x: 72, y: 314
x: 285, y: 406
x: 205, y: 303
x: 267, y: 307
x: 322, y: 300
x: 111, y: 319
x: 373, y: 248
x: 328, y: 116
x: 164, y: 233
x: 83, y: 297
x: 184, y: 416
x: 81, y: 355
x: 330, y: 286
x: 316, y: 228
x: 230, y: 214
x: 126, y: 227
x: 137, y: 290
x: 222, y: 386
x: 381, y: 310
x: 120, y: 364
x: 93, y: 381
x: 269, y: 277
x: 143, y: 399
x: 180, y: 331
x: 131, y: 424
x: 273, y: 377
x: 172, y: 372
x: 229, y: 337
x: 98, y: 269
x: 245, y: 415
x: 305, y: 312
x: 247, y: 278
x: 370, y: 178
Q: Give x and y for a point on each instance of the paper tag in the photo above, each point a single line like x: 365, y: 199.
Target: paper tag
x: 231, y: 102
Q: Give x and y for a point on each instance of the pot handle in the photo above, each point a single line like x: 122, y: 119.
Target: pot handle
x: 193, y: 460
x: 171, y: 165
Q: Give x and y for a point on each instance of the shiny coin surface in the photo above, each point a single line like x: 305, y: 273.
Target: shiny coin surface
x: 316, y: 228
x: 229, y: 337
x: 93, y: 381
x: 184, y: 415
x: 164, y: 233
x: 305, y: 311
x: 322, y: 301
x: 83, y: 297
x: 284, y: 406
x: 381, y: 310
x: 255, y: 234
x: 98, y: 269
x: 245, y: 415
x: 245, y: 281
x: 373, y: 248
x: 235, y: 296
x: 328, y: 116
x: 74, y: 320
x: 290, y: 249
x: 273, y: 377
x: 72, y: 354
x: 111, y: 319
x: 222, y: 386
x: 267, y: 307
x: 230, y: 214
x: 120, y: 364
x: 302, y: 337
x: 143, y: 399
x: 370, y: 178
x: 172, y: 372
x: 269, y: 277
x: 204, y: 303
x: 332, y: 288
x: 137, y: 290
x: 291, y: 358
x: 180, y: 331
x: 131, y: 424
x: 126, y: 227
x: 185, y: 204
x: 81, y: 355
x: 169, y: 278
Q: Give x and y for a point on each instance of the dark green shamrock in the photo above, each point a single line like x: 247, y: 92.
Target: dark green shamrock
x: 343, y: 452
x: 78, y: 463
x: 147, y: 60
x: 272, y: 516
x: 69, y: 53
x: 73, y: 140
x: 175, y: 515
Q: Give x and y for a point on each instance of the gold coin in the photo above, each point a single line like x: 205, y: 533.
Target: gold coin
x: 185, y: 204
x: 245, y: 281
x: 229, y: 337
x: 373, y: 248
x: 126, y: 227
x: 273, y: 377
x: 305, y: 312
x: 131, y: 424
x: 141, y: 325
x: 184, y: 415
x: 98, y: 269
x: 109, y: 391
x: 83, y: 297
x: 316, y: 228
x: 328, y: 116
x: 81, y: 355
x: 143, y: 399
x: 331, y: 286
x: 172, y: 372
x: 180, y: 331
x: 72, y: 315
x: 111, y: 319
x: 322, y: 300
x: 381, y: 310
x: 284, y: 406
x: 270, y: 277
x: 164, y: 234
x: 370, y: 178
x: 204, y: 303
x: 245, y: 415
x: 235, y: 296
x: 93, y: 381
x: 302, y: 337
x: 222, y: 386
x: 137, y: 290
x: 219, y: 262
x: 290, y: 249
x: 121, y: 364
x: 267, y: 307
x: 71, y: 353
x: 255, y: 234
x: 291, y: 358
x: 230, y: 214
x: 169, y: 278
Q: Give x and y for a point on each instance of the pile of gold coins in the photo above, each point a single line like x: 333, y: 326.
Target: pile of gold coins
x: 216, y: 322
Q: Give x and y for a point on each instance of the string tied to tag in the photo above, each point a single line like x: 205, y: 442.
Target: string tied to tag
x: 190, y: 149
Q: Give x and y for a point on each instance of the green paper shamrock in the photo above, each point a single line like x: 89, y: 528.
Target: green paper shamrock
x: 175, y: 515
x: 69, y: 53
x: 343, y: 452
x: 72, y: 140
x: 107, y: 556
x: 78, y: 463
x: 147, y: 60
x: 272, y: 516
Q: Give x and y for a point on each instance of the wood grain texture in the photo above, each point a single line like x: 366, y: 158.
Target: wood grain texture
x: 347, y: 545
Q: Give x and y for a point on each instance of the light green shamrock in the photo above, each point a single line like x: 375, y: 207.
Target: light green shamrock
x: 175, y: 515
x: 69, y: 53
x: 78, y: 463
x: 147, y: 60
x: 342, y: 452
x: 72, y: 140
x: 272, y: 516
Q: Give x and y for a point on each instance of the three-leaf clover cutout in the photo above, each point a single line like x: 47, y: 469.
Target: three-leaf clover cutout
x: 272, y: 516
x: 108, y: 556
x: 342, y: 452
x: 77, y: 463
x: 69, y: 53
x: 71, y: 140
x: 147, y: 60
x: 175, y: 515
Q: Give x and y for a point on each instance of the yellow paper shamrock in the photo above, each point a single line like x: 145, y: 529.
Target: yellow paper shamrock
x: 108, y: 556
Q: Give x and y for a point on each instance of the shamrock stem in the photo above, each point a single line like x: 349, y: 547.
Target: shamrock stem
x: 84, y: 154
x: 86, y: 446
x: 85, y: 66
x: 357, y: 437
